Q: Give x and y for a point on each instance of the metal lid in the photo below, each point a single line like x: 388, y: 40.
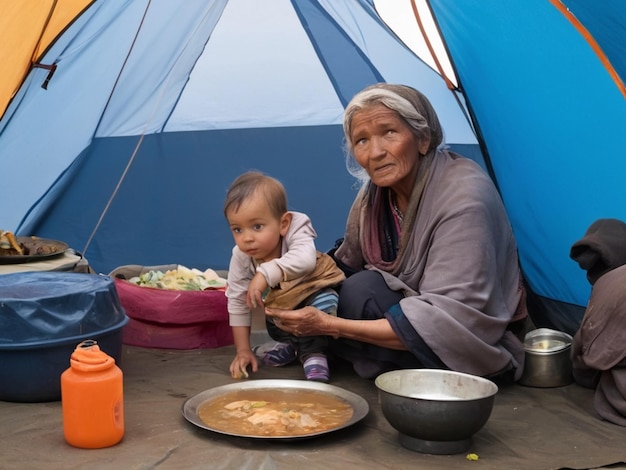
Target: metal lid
x: 546, y: 340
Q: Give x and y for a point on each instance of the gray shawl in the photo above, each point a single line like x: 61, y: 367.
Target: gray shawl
x: 457, y: 266
x: 598, y: 352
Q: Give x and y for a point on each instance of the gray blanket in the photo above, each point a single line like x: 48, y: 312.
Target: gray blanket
x: 599, y: 346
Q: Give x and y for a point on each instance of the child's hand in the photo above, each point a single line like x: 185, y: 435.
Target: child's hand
x: 257, y: 286
x: 239, y: 366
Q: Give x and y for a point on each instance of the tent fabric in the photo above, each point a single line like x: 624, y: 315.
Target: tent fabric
x: 549, y: 115
x: 599, y: 23
x: 249, y: 107
x: 43, y: 21
x: 128, y: 152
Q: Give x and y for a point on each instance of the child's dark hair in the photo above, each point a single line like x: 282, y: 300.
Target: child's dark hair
x: 255, y: 182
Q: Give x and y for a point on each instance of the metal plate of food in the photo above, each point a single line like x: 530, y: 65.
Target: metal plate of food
x: 275, y: 409
x: 34, y: 249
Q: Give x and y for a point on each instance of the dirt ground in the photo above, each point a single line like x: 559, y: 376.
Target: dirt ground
x: 529, y: 428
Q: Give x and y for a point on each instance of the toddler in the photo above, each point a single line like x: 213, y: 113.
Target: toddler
x: 275, y: 263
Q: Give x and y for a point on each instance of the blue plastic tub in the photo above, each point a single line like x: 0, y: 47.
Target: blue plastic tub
x: 43, y: 317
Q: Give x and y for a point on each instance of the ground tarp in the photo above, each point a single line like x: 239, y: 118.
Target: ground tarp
x: 529, y: 428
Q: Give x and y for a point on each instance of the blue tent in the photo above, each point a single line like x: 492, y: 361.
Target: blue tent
x: 545, y: 84
x: 155, y: 106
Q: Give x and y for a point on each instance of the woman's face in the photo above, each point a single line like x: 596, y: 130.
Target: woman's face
x: 386, y: 147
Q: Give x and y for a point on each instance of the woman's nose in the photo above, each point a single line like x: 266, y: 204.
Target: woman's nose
x: 377, y: 148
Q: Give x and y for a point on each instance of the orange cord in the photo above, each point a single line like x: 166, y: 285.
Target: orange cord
x: 418, y: 19
x: 592, y: 42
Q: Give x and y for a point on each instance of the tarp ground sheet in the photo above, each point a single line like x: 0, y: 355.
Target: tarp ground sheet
x: 528, y: 429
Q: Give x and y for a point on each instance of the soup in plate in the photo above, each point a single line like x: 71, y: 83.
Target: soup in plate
x: 275, y: 413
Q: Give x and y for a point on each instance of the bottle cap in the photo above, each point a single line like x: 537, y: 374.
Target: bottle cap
x: 89, y: 357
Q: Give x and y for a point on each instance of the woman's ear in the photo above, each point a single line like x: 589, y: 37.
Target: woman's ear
x: 285, y: 222
x: 423, y: 146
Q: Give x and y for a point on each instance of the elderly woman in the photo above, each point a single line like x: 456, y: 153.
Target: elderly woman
x: 434, y: 278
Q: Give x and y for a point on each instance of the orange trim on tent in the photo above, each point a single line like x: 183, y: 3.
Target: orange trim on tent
x: 27, y: 29
x: 431, y: 49
x: 592, y: 42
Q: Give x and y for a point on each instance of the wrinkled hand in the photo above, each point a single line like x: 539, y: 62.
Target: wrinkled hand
x: 239, y: 366
x: 307, y: 321
x: 257, y: 286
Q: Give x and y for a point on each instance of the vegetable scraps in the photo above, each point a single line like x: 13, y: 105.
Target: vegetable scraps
x: 181, y: 278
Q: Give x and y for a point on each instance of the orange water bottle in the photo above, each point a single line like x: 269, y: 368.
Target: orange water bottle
x: 92, y: 398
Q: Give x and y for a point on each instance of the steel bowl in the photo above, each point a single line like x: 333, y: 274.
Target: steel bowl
x: 547, y: 360
x: 435, y: 411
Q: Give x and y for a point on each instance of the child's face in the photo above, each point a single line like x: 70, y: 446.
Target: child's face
x: 257, y: 232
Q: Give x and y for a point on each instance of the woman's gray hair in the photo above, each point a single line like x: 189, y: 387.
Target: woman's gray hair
x: 410, y: 104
